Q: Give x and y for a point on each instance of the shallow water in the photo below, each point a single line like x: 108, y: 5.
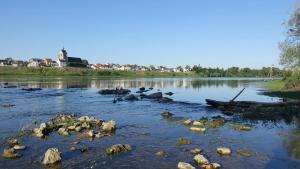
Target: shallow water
x: 139, y: 123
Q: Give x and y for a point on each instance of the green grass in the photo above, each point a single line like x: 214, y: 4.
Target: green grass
x: 50, y: 71
x: 276, y: 85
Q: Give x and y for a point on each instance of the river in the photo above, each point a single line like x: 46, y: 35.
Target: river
x: 274, y: 145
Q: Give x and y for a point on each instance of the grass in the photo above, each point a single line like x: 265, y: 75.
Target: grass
x: 276, y: 85
x: 50, y: 71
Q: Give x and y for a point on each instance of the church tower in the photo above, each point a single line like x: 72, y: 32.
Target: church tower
x: 62, y: 58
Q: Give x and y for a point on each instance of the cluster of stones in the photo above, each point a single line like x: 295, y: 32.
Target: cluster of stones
x: 202, y: 161
x: 217, y: 122
x: 66, y: 124
x: 14, y: 146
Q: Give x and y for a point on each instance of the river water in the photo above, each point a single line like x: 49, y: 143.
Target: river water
x: 274, y: 145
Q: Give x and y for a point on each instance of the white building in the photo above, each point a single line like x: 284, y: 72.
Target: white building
x: 62, y: 58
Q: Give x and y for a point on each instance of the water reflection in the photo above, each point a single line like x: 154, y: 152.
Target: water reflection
x: 99, y: 83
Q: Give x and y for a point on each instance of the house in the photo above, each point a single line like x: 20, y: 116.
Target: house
x: 17, y: 63
x: 48, y: 62
x: 35, y: 62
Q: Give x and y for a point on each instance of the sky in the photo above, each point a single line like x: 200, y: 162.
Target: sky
x: 212, y: 33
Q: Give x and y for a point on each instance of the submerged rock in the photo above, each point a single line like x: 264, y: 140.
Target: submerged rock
x: 169, y: 93
x: 131, y: 97
x: 116, y: 91
x: 10, y: 153
x: 118, y: 148
x: 244, y: 152
x: 7, y: 105
x: 198, y: 129
x: 109, y: 126
x: 166, y: 100
x: 31, y: 89
x: 51, y: 156
x: 19, y: 147
x: 161, y: 153
x: 198, y: 124
x: 196, y: 151
x: 63, y: 131
x: 188, y: 122
x: 157, y: 95
x: 200, y: 159
x: 217, y: 122
x: 183, y: 165
x: 216, y: 165
x: 12, y: 142
x: 241, y: 127
x: 166, y: 114
x: 183, y: 141
x: 224, y: 151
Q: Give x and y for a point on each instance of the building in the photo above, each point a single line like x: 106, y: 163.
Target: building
x: 48, y: 62
x: 63, y: 60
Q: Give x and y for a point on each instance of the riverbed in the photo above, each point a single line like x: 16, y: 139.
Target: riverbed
x: 274, y: 145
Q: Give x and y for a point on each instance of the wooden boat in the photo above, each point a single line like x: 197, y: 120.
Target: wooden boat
x: 249, y: 104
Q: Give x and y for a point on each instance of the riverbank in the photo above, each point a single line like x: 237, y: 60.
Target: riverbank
x: 50, y: 71
x: 276, y: 88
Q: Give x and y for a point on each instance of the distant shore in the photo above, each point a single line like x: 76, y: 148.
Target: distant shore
x: 71, y: 71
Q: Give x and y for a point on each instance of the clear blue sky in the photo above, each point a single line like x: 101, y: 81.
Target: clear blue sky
x: 159, y: 32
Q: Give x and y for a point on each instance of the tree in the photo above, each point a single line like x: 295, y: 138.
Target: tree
x: 290, y: 48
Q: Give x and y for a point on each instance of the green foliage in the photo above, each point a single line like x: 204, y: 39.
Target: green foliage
x: 237, y: 72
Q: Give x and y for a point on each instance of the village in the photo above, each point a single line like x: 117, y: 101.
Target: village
x: 63, y: 60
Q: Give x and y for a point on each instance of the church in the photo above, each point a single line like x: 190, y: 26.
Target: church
x: 63, y: 60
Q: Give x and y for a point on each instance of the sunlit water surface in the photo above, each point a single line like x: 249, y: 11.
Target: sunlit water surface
x: 274, y: 145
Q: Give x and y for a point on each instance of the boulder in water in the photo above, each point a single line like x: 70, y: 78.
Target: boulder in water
x: 118, y: 148
x: 51, y: 156
x: 157, y: 95
x: 183, y: 165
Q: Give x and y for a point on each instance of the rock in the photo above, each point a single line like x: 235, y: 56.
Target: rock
x: 183, y: 141
x: 196, y: 151
x: 12, y: 142
x: 38, y: 132
x: 118, y: 148
x: 84, y: 118
x: 244, y: 152
x: 161, y: 153
x: 131, y: 97
x: 150, y: 88
x: 84, y: 149
x: 109, y: 126
x: 43, y: 126
x: 207, y: 166
x: 85, y: 125
x: 10, y: 86
x: 7, y: 105
x: 91, y: 133
x: 73, y: 148
x: 183, y: 165
x: 19, y: 147
x: 198, y: 129
x: 200, y: 159
x: 31, y: 89
x: 166, y: 114
x: 10, y: 153
x: 71, y: 127
x: 224, y: 151
x: 166, y: 100
x: 188, y: 122
x: 76, y: 142
x: 142, y: 89
x: 203, y: 120
x: 51, y: 156
x: 216, y: 165
x: 78, y: 128
x: 116, y: 91
x: 169, y: 93
x: 198, y: 124
x: 157, y: 95
x: 63, y: 131
x: 241, y: 127
x: 216, y: 123
x: 99, y: 135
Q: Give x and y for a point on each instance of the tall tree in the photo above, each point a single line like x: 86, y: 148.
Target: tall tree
x: 290, y: 48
